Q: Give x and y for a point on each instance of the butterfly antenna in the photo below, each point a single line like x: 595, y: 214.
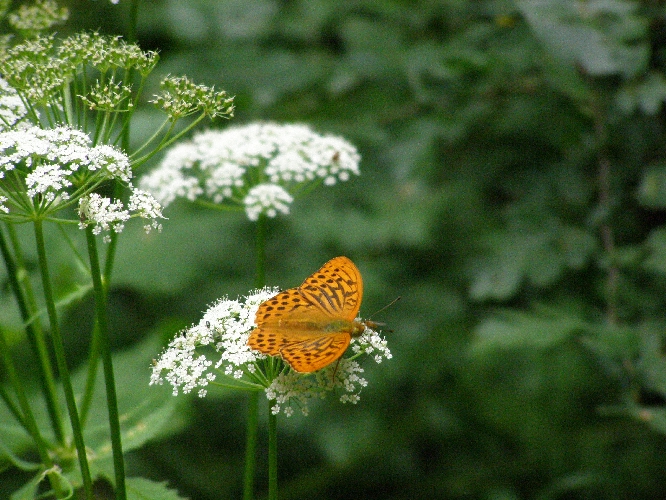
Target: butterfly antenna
x: 386, y: 306
x: 374, y: 324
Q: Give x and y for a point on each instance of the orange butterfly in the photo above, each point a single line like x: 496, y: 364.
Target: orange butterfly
x: 311, y: 326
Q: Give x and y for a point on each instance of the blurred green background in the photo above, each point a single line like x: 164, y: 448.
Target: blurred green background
x: 513, y: 193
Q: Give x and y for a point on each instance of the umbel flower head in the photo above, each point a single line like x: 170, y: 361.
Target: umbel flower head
x: 217, y: 347
x: 258, y: 167
x: 43, y: 171
x: 12, y: 109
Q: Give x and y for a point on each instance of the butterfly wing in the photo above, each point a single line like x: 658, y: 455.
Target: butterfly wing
x: 286, y: 317
x: 310, y: 326
x: 311, y: 355
x: 336, y: 289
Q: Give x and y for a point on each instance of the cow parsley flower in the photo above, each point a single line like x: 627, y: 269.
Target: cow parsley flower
x: 43, y: 14
x: 226, y: 326
x: 108, y: 215
x: 258, y: 167
x: 216, y: 348
x: 12, y: 108
x: 43, y: 169
x: 103, y: 213
x: 268, y: 199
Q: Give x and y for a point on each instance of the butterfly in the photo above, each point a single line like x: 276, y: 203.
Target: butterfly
x: 311, y: 325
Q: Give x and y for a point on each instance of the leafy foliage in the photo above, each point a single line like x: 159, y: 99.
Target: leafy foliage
x: 512, y: 191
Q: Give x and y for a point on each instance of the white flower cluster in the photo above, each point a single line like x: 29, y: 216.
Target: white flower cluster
x: 106, y: 215
x: 103, y: 213
x: 268, y: 199
x: 51, y: 160
x: 146, y: 207
x: 371, y: 343
x: 294, y: 389
x: 226, y: 326
x: 46, y: 168
x: 12, y: 108
x: 224, y: 331
x: 255, y: 166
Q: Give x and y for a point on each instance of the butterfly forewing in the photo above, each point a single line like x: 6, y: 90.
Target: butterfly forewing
x: 336, y: 288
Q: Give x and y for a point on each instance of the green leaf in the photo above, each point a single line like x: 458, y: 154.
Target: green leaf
x: 146, y: 412
x: 656, y: 245
x: 144, y: 489
x: 9, y: 456
x: 652, y: 188
x: 29, y: 490
x: 646, y: 95
x: 598, y: 36
x: 538, y: 251
x: 519, y: 330
x: 14, y: 438
x: 191, y: 243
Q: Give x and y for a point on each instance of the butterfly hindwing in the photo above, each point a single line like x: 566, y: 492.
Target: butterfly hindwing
x: 311, y: 355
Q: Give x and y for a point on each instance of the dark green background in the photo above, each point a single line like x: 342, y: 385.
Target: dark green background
x: 500, y: 142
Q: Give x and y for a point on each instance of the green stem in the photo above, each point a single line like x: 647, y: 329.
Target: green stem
x: 107, y: 362
x: 95, y: 346
x: 111, y: 250
x: 91, y: 377
x: 272, y: 453
x: 133, y: 16
x: 251, y: 445
x: 260, y: 262
x: 28, y: 418
x: 253, y: 403
x: 36, y: 341
x: 13, y: 409
x: 61, y: 360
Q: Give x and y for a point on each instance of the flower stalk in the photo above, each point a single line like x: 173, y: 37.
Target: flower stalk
x: 272, y: 454
x: 252, y: 427
x: 61, y: 361
x: 36, y: 339
x: 27, y: 419
x: 102, y: 328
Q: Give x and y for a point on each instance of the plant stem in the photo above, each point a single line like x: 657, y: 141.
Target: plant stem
x: 260, y: 258
x: 61, y: 360
x: 251, y: 445
x: 133, y: 16
x: 608, y: 241
x: 11, y: 406
x: 36, y: 340
x: 27, y: 418
x: 272, y: 453
x: 91, y: 378
x: 107, y: 362
x: 606, y: 205
x: 253, y: 402
x: 95, y: 345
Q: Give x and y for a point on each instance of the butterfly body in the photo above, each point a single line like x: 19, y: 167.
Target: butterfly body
x: 311, y: 326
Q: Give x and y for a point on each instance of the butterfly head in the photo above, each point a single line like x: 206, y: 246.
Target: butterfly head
x: 359, y: 326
